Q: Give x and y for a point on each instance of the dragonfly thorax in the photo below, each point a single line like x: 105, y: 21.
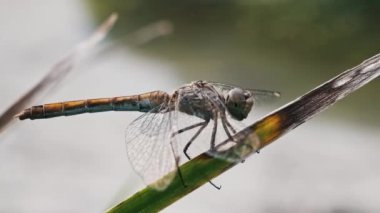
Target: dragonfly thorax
x: 200, y: 99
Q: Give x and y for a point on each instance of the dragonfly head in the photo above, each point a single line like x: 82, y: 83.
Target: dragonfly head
x: 239, y: 103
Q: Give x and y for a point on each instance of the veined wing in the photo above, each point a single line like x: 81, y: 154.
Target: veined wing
x: 151, y: 148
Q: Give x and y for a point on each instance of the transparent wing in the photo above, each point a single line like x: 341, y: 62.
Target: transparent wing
x: 151, y: 148
x: 264, y: 95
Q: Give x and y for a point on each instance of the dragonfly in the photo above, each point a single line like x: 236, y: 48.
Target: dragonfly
x: 152, y: 141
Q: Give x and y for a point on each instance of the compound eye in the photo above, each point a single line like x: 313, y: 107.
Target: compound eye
x: 235, y: 97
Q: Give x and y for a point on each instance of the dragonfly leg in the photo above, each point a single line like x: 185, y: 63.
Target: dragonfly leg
x: 179, y: 172
x: 203, y: 125
x: 226, y: 124
x: 187, y: 128
x: 214, y: 128
x: 212, y: 144
x: 234, y: 131
x: 230, y: 126
x: 214, y: 185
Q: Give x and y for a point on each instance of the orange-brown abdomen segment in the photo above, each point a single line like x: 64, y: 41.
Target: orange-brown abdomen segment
x: 142, y: 102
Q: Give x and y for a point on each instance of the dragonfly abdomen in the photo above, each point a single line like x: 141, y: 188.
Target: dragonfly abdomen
x: 142, y: 102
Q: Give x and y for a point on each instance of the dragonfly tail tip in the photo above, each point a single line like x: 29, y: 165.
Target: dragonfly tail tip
x: 19, y: 115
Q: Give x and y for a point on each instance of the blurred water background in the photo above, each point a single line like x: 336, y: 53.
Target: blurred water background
x: 78, y: 164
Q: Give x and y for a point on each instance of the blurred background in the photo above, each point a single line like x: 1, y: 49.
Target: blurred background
x: 78, y: 164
